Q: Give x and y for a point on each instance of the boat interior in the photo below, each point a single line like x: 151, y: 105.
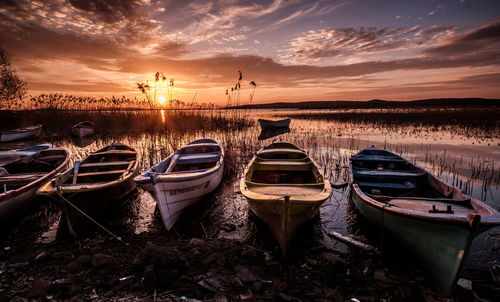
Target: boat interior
x: 283, y: 171
x: 30, y: 168
x: 389, y: 178
x: 194, y: 157
x: 105, y: 165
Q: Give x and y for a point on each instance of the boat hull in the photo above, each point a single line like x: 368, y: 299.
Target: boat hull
x: 18, y: 203
x: 82, y: 131
x: 283, y: 220
x: 267, y: 124
x: 174, y: 196
x: 21, y: 133
x: 441, y: 247
x: 98, y: 204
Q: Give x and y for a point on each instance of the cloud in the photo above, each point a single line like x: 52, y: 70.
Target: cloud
x: 346, y: 42
x: 484, y: 40
x: 108, y: 11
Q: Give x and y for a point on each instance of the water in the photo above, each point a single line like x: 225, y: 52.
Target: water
x: 450, y: 152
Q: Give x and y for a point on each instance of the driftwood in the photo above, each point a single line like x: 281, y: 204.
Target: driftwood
x: 350, y: 241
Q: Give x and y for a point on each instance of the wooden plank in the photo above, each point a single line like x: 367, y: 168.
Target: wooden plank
x: 102, y: 173
x: 21, y: 178
x: 105, y: 164
x: 350, y: 241
x: 388, y: 185
x: 114, y: 152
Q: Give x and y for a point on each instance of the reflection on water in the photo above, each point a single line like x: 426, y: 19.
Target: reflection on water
x: 461, y: 160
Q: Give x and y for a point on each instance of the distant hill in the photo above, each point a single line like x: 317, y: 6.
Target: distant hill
x: 377, y: 104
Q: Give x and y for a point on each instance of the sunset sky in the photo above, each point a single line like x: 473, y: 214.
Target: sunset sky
x: 294, y: 50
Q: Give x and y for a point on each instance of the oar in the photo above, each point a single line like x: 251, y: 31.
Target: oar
x: 75, y: 171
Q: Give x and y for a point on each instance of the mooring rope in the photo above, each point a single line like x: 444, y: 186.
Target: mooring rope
x: 91, y: 219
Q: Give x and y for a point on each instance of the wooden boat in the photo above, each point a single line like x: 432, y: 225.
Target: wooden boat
x: 83, y: 129
x: 284, y: 188
x: 20, y: 179
x: 267, y: 133
x: 94, y: 186
x: 266, y: 124
x: 434, y: 220
x: 13, y: 155
x: 20, y: 133
x: 184, y: 177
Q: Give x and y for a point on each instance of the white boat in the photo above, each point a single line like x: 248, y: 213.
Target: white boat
x: 268, y: 124
x: 20, y: 133
x: 12, y: 155
x: 83, y: 129
x: 184, y: 177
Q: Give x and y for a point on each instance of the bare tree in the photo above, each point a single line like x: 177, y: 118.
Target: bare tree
x: 11, y: 86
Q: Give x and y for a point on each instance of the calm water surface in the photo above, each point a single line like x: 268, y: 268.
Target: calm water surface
x: 471, y: 163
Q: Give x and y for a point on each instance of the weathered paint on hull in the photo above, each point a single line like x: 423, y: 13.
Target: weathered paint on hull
x: 440, y: 247
x: 283, y: 224
x: 174, y: 197
x: 97, y: 204
x: 14, y: 136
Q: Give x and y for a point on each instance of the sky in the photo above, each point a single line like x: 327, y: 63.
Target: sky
x: 293, y: 50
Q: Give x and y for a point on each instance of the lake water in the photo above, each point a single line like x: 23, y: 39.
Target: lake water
x: 470, y: 162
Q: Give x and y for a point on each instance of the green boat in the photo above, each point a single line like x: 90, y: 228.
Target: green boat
x: 284, y: 188
x: 437, y: 222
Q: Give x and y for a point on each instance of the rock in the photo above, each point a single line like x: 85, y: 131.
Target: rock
x: 210, y: 258
x: 244, y: 274
x: 332, y: 259
x: 41, y: 256
x: 284, y: 297
x: 465, y: 284
x: 257, y: 286
x: 100, y: 259
x: 247, y: 296
x: 164, y: 256
x: 220, y: 297
x: 150, y: 275
x: 228, y: 227
x: 38, y: 289
x: 212, y: 284
x: 197, y: 242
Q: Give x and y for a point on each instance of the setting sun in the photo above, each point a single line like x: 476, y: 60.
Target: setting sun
x: 161, y: 99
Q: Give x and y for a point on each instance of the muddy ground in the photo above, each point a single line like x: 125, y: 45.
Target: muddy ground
x: 157, y: 267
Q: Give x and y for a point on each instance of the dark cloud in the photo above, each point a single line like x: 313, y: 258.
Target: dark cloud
x: 484, y: 39
x: 108, y: 11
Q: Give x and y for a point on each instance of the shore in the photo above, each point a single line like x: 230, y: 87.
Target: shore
x: 155, y: 267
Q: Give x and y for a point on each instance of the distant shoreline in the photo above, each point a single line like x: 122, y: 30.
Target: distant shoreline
x: 378, y: 104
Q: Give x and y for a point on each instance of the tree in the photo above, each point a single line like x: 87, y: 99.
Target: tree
x: 11, y: 86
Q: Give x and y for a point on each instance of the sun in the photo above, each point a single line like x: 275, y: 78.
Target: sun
x: 161, y: 99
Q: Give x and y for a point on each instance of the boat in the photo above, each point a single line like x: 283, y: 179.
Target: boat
x: 20, y: 179
x: 433, y: 220
x: 13, y: 155
x: 284, y: 188
x: 20, y: 133
x: 266, y: 124
x: 184, y: 177
x: 267, y: 133
x: 83, y: 129
x: 94, y: 186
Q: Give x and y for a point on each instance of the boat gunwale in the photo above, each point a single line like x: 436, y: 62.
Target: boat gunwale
x: 42, y: 180
x: 48, y: 189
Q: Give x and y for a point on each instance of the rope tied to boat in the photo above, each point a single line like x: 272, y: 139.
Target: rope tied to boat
x: 91, y: 219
